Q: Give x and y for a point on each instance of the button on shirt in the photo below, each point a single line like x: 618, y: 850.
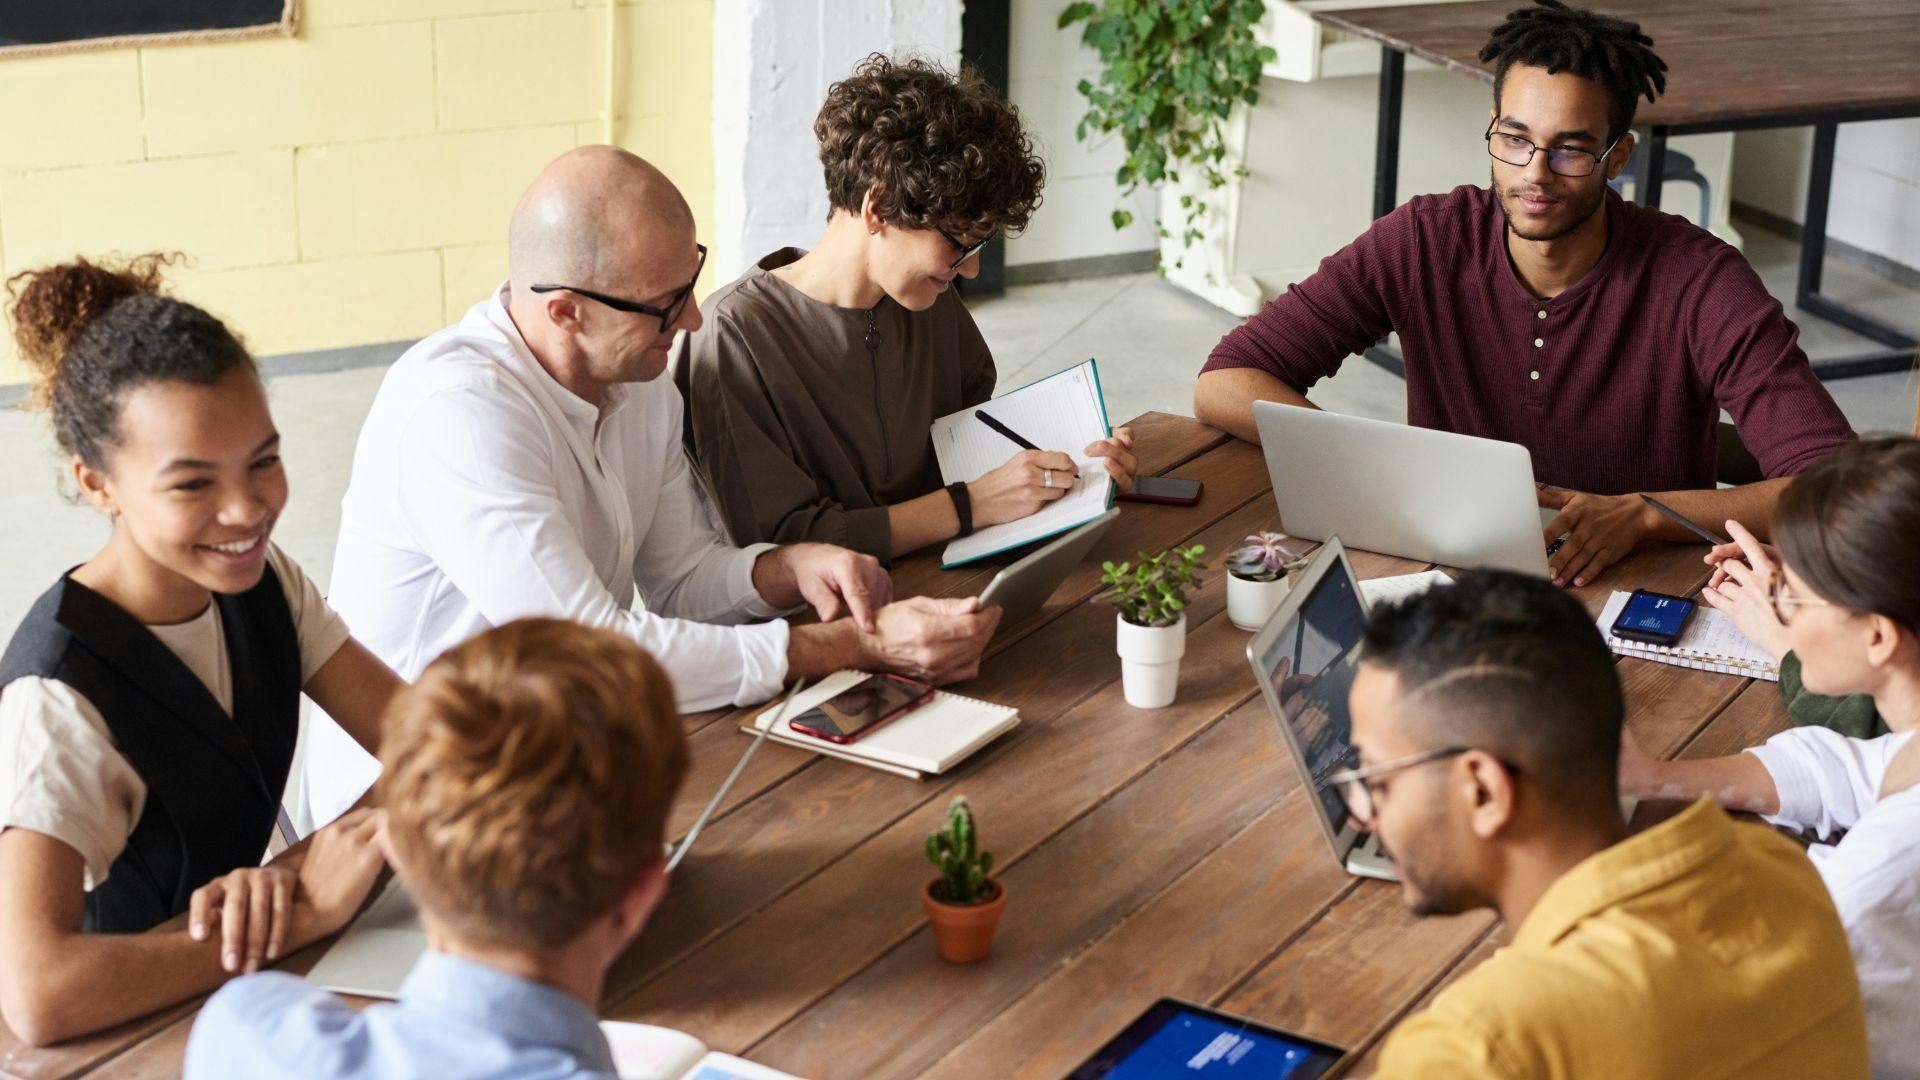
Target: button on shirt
x: 1615, y: 385
x: 1827, y: 781
x: 1698, y: 948
x: 455, y: 1020
x: 483, y: 491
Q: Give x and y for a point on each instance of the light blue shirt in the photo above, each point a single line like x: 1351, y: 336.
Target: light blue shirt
x: 454, y: 1019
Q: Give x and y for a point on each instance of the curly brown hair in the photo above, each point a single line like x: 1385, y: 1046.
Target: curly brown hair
x: 528, y: 777
x: 936, y: 150
x: 93, y: 331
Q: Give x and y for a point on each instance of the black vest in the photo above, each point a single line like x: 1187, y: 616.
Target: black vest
x: 213, y: 781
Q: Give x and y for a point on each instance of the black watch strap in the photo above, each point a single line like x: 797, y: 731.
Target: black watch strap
x: 962, y: 507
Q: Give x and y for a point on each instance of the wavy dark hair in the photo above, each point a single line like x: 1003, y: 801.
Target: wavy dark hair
x: 1600, y: 48
x: 1847, y: 527
x: 936, y: 149
x: 93, y: 331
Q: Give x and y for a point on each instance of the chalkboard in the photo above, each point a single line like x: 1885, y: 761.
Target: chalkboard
x: 39, y: 27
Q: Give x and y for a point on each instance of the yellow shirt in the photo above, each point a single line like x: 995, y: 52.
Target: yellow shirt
x: 1696, y: 949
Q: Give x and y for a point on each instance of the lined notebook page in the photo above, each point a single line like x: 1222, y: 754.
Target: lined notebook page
x: 1063, y: 412
x: 1711, y: 642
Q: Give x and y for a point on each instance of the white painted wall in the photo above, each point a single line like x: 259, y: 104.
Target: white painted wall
x: 1875, y: 202
x: 1074, y: 221
x: 772, y: 63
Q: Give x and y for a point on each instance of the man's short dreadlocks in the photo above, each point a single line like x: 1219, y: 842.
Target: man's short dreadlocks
x: 1609, y: 51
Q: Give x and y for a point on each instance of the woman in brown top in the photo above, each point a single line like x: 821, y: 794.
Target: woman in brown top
x: 811, y: 388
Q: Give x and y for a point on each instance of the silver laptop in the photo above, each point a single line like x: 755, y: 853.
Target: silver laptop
x: 1020, y: 589
x: 1455, y: 500
x: 1304, y: 661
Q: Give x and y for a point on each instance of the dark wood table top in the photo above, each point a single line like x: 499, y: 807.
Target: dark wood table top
x: 1145, y: 854
x: 1728, y: 60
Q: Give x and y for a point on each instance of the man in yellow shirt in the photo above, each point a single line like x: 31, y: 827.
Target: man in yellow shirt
x: 1487, y: 720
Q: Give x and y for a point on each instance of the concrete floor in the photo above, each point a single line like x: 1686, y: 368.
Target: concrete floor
x: 1149, y: 337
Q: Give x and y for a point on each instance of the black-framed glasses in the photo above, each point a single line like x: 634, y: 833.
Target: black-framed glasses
x: 965, y: 251
x: 1357, y: 786
x: 1565, y: 160
x: 668, y: 315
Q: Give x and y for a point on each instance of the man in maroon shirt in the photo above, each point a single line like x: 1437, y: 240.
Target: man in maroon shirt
x: 1544, y: 310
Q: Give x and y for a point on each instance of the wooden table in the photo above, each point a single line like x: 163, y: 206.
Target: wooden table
x: 1145, y: 854
x: 1732, y: 65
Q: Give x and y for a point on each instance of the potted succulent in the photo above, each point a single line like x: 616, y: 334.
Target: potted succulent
x: 965, y: 901
x: 1151, y: 630
x: 1259, y: 572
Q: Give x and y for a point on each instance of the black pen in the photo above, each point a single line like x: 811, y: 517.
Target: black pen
x: 1003, y: 429
x: 1684, y: 521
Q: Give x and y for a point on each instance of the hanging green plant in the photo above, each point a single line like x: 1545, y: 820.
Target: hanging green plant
x: 1172, y: 72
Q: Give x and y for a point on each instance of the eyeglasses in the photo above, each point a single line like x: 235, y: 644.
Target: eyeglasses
x: 1357, y: 786
x: 965, y: 251
x: 667, y: 315
x: 1565, y: 160
x: 1784, y: 603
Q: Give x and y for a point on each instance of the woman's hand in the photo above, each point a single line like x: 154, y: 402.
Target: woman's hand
x: 1021, y: 486
x: 1117, y: 450
x: 252, y: 908
x: 343, y: 861
x: 1640, y: 776
x: 1742, y: 573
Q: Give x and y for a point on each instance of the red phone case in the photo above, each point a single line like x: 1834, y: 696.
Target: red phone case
x: 896, y: 714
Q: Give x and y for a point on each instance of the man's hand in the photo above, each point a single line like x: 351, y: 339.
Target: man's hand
x: 1742, y: 571
x: 939, y: 641
x: 1600, y: 530
x: 834, y: 580
x: 1118, y: 452
x: 342, y: 862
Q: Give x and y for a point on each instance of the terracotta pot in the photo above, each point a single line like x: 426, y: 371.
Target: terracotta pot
x: 964, y: 932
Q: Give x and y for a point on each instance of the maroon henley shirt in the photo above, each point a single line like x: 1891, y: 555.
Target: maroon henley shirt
x: 1614, y: 386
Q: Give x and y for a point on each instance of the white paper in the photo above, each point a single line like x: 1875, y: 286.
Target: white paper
x: 930, y: 739
x: 646, y: 1052
x: 1385, y: 590
x: 1061, y: 412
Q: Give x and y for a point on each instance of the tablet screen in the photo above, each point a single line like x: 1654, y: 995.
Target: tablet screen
x: 1177, y: 1039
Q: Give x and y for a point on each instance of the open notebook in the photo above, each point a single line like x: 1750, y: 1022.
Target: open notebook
x: 1063, y: 412
x: 645, y: 1052
x: 927, y: 741
x: 1711, y: 642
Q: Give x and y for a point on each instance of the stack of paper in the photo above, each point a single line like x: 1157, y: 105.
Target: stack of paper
x: 927, y: 741
x: 1711, y: 642
x: 1063, y: 412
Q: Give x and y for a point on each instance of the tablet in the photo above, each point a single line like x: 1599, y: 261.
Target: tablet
x: 1021, y: 588
x: 1181, y: 1039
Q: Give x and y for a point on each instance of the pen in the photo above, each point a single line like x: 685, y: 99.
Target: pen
x: 1682, y: 519
x: 1004, y: 430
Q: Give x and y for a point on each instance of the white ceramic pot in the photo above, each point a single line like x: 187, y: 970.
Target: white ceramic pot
x: 1150, y: 661
x: 1250, y: 603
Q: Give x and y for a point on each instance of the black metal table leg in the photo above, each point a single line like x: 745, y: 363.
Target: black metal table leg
x: 1902, y: 346
x: 1651, y: 172
x: 1386, y: 167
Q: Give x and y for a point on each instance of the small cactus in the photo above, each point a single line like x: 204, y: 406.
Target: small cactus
x: 955, y: 851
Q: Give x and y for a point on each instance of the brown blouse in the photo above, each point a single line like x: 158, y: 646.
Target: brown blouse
x: 806, y: 421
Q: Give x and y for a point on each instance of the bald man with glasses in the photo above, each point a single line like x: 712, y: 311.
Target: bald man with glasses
x: 1542, y: 309
x: 528, y: 461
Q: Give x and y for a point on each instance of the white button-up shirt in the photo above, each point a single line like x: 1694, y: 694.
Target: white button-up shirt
x: 483, y: 491
x: 1827, y: 781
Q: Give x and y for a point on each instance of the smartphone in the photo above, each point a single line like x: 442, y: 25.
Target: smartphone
x: 1654, y: 618
x: 1163, y: 489
x: 862, y: 708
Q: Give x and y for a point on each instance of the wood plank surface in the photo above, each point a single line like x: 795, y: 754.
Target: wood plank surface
x: 1727, y: 60
x: 1145, y: 853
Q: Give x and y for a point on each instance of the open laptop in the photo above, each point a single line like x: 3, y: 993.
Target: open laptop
x: 1304, y: 660
x: 1434, y: 496
x: 1021, y: 588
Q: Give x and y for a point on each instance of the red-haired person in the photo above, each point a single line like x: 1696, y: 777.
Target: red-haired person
x: 149, y: 702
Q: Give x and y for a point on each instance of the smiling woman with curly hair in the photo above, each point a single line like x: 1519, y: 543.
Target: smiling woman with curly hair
x: 812, y: 385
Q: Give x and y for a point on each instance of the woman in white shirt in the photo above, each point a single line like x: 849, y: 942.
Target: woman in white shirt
x: 1842, y: 591
x: 149, y: 703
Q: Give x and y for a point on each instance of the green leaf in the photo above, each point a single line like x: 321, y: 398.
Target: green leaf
x: 1074, y: 13
x: 1122, y: 219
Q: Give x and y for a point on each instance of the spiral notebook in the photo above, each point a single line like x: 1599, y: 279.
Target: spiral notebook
x: 925, y: 742
x: 1711, y: 642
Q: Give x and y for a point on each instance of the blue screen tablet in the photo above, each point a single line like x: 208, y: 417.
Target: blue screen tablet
x: 1181, y: 1039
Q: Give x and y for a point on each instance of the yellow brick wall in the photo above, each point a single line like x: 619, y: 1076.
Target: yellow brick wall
x: 349, y: 185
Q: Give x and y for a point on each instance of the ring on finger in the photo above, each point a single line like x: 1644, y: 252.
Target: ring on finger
x: 1046, y: 478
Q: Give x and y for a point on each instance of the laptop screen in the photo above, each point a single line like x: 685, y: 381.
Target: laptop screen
x: 1310, y: 665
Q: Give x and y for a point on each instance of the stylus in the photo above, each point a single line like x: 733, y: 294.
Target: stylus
x: 780, y: 713
x: 1684, y: 521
